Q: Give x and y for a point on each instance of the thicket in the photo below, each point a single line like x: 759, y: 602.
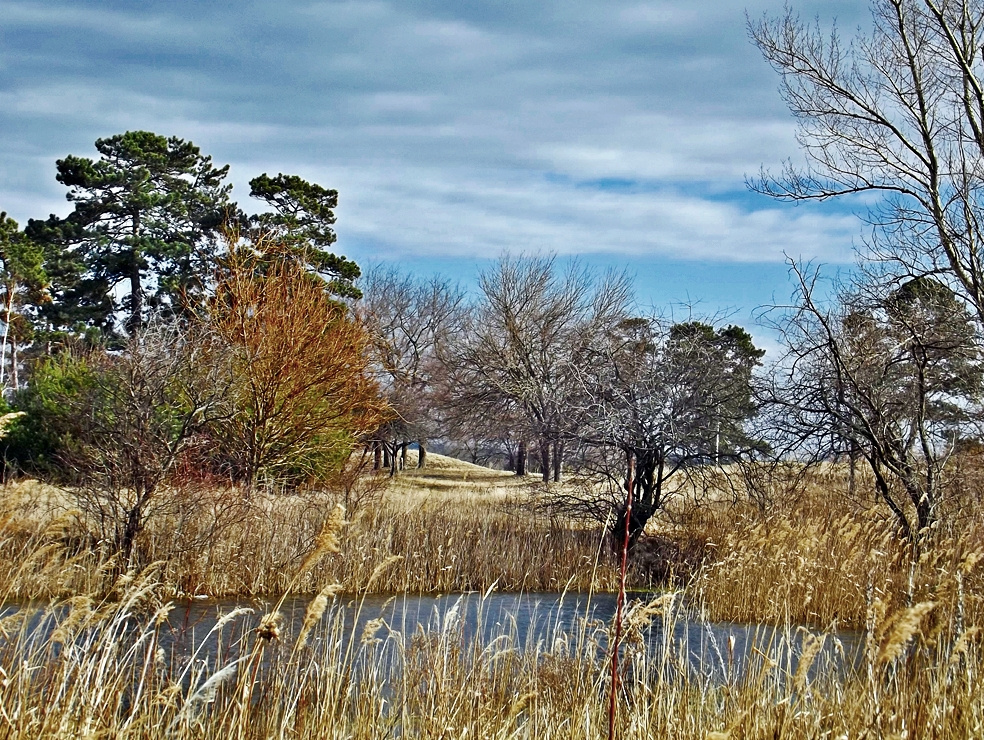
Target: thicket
x: 267, y: 385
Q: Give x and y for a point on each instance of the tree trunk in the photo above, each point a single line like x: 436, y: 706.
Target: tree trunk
x: 131, y: 528
x: 648, y: 475
x: 925, y: 514
x: 386, y: 454
x: 637, y: 516
x: 545, y: 460
x: 521, y: 458
x: 136, y: 290
x: 251, y: 473
x: 377, y: 454
x: 136, y: 297
x: 421, y: 453
x: 882, y: 487
x: 403, y: 455
x: 8, y: 310
x: 852, y: 461
x: 558, y: 460
x: 13, y: 364
x: 644, y: 472
x: 394, y: 459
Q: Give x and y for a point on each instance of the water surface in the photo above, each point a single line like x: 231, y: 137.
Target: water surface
x: 541, y: 622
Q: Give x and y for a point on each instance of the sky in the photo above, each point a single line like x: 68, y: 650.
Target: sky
x: 455, y: 131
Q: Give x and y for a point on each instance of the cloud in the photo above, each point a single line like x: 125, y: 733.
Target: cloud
x: 425, y: 210
x: 624, y: 128
x: 674, y: 148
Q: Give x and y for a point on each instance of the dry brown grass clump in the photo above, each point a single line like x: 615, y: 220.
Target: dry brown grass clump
x: 814, y: 570
x: 824, y: 559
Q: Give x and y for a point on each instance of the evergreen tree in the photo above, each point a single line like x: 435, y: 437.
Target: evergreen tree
x: 145, y: 214
x: 79, y: 301
x: 727, y: 404
x: 668, y: 405
x: 301, y: 228
x: 24, y: 282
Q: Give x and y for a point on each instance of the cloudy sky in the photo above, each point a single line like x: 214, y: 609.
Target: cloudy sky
x: 454, y: 130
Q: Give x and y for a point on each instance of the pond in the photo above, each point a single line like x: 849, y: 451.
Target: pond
x: 541, y: 622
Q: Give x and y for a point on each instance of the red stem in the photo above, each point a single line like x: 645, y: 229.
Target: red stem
x: 629, y: 485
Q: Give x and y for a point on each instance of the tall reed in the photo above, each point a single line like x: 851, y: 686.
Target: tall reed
x: 97, y: 660
x: 226, y: 544
x: 84, y: 668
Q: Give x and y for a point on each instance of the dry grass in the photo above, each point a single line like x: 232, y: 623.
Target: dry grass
x: 451, y: 527
x: 445, y: 478
x: 90, y: 668
x: 90, y: 665
x: 810, y: 569
x: 823, y: 558
x: 812, y: 558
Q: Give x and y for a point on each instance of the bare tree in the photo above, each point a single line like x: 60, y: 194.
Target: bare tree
x: 523, y: 342
x: 483, y: 430
x: 898, y: 113
x: 891, y: 375
x: 666, y: 404
x: 409, y: 319
x: 135, y: 417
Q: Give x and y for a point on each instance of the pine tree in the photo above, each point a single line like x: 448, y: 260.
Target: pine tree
x: 23, y: 280
x: 146, y: 213
x: 301, y: 227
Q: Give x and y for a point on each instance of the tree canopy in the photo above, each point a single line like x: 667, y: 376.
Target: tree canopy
x: 301, y: 226
x: 24, y: 283
x: 897, y: 113
x: 663, y: 403
x: 146, y: 213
